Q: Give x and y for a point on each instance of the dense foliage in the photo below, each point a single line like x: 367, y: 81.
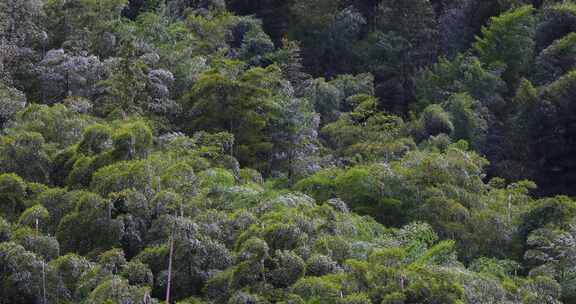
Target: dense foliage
x: 295, y: 152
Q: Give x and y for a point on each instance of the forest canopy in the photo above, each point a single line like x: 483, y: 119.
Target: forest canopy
x: 290, y: 152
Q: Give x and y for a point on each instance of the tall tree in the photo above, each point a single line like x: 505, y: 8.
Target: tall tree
x: 508, y: 41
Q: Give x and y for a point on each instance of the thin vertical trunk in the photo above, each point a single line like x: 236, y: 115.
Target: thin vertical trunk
x: 114, y: 292
x: 169, y: 271
x: 170, y: 256
x: 509, y: 208
x: 43, y: 282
